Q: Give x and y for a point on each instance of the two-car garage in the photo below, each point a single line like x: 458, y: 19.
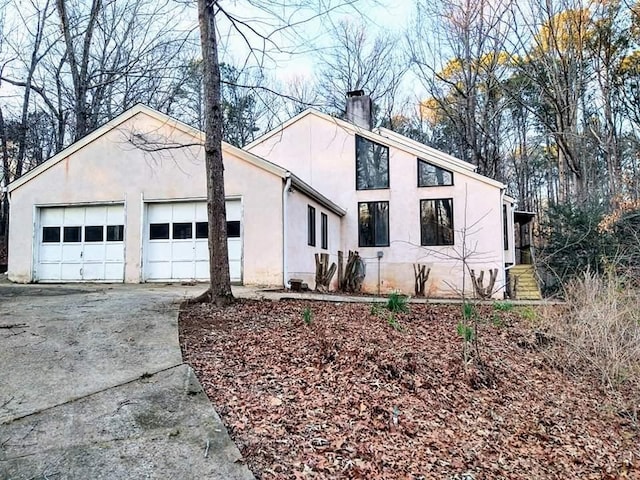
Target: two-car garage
x: 87, y: 242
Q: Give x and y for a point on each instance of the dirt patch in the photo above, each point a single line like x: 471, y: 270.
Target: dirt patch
x: 350, y: 396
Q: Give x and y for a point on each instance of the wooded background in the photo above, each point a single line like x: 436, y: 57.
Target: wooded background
x: 543, y: 95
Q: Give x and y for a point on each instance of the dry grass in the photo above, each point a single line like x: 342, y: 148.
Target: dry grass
x: 599, y: 334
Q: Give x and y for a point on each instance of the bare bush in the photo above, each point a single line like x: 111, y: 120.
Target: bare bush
x: 600, y: 329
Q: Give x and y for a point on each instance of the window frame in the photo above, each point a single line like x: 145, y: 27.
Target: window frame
x: 324, y: 231
x: 163, y: 238
x: 92, y: 228
x: 419, y: 160
x: 51, y: 228
x: 360, y: 244
x: 453, y: 235
x: 70, y: 228
x: 388, y: 185
x: 311, y: 226
x: 117, y: 228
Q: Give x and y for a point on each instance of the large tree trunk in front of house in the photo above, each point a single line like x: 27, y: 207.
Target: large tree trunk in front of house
x: 220, y: 289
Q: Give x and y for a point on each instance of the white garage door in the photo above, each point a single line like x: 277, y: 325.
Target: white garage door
x: 81, y: 244
x: 176, y: 246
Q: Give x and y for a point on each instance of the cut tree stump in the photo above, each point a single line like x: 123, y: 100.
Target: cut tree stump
x: 478, y: 283
x: 421, y: 274
x: 324, y: 272
x: 354, y: 273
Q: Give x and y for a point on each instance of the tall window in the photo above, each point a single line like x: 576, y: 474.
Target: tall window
x: 373, y: 224
x: 372, y: 165
x: 432, y: 176
x: 436, y: 222
x: 311, y: 226
x: 505, y: 227
x: 324, y: 231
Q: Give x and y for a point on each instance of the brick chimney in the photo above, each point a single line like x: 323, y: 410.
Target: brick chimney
x: 359, y: 109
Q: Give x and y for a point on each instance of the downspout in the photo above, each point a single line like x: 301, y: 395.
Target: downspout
x: 502, y: 212
x: 285, y: 240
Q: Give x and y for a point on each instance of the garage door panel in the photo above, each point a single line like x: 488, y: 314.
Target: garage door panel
x: 235, y: 248
x: 234, y: 210
x: 79, y: 251
x: 52, y: 216
x: 115, y: 215
x: 113, y: 271
x: 183, y: 212
x: 71, y: 271
x: 114, y: 252
x: 158, y: 270
x: 182, y: 251
x: 93, y: 271
x: 71, y: 252
x: 93, y: 253
x: 49, y: 271
x: 202, y: 250
x: 95, y: 216
x: 202, y: 270
x: 201, y: 212
x: 50, y: 253
x: 158, y: 251
x: 186, y: 258
x: 183, y: 270
x: 74, y: 215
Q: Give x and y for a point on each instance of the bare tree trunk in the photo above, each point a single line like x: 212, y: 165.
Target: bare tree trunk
x: 220, y: 290
x: 4, y: 207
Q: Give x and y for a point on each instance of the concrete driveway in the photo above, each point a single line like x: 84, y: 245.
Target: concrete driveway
x: 92, y: 385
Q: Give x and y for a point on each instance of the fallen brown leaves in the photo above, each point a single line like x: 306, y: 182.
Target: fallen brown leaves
x: 350, y: 397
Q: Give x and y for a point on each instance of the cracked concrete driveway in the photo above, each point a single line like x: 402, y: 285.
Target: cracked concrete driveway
x: 92, y: 385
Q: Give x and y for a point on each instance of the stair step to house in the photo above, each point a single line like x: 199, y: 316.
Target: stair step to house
x: 526, y: 285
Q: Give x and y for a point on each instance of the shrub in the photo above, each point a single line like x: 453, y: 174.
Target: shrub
x: 600, y: 329
x: 307, y: 316
x: 397, y: 303
x: 503, y: 306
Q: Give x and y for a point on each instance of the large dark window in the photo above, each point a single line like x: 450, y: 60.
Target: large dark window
x: 72, y: 234
x: 159, y: 231
x: 50, y: 234
x: 324, y: 230
x: 311, y: 226
x: 373, y: 224
x: 436, y: 222
x: 372, y: 165
x: 94, y: 233
x: 432, y: 176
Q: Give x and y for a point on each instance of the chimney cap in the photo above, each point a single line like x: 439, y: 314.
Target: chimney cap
x: 355, y: 93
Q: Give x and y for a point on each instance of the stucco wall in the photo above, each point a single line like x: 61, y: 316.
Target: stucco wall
x: 322, y: 152
x: 112, y: 169
x: 301, y: 257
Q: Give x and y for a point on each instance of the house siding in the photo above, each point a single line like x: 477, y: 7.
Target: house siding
x: 322, y: 153
x: 301, y: 255
x: 111, y: 169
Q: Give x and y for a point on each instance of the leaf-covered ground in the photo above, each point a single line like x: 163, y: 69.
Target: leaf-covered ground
x: 349, y: 396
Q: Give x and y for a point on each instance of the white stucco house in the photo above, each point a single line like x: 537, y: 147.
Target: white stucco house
x: 127, y: 204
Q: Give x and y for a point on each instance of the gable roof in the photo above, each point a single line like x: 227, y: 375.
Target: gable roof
x: 183, y: 127
x: 388, y: 138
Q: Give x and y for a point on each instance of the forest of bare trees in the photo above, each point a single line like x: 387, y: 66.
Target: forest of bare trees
x: 543, y: 95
